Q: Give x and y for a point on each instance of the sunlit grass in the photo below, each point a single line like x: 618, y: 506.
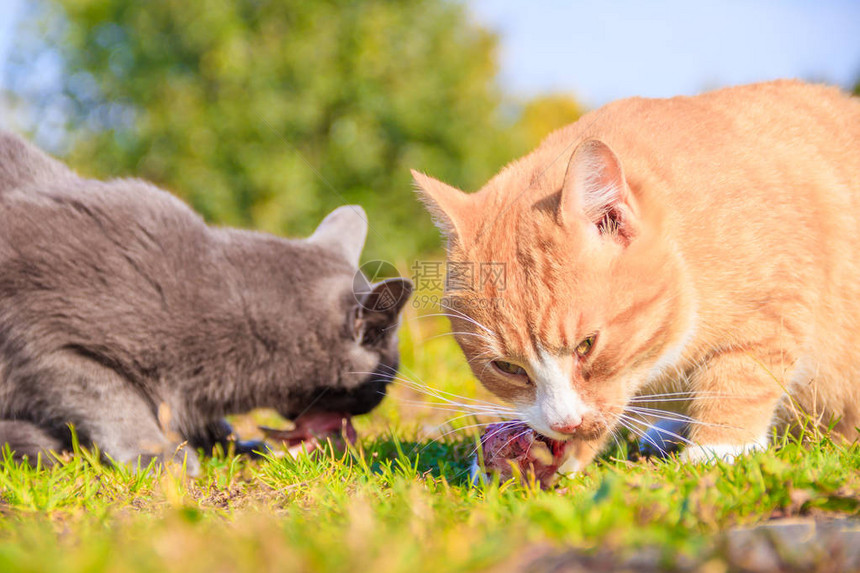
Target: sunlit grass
x: 401, y: 500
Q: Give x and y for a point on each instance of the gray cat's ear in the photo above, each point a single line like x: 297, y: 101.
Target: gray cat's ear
x: 388, y: 296
x: 595, y: 189
x: 447, y: 205
x: 375, y: 318
x: 344, y: 231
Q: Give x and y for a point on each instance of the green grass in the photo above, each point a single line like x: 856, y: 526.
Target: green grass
x: 401, y: 501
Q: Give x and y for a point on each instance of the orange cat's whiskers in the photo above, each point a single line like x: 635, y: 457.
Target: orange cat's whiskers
x: 641, y: 435
x: 486, y: 357
x: 453, y: 402
x: 470, y: 427
x: 673, y: 417
x: 422, y: 384
x: 661, y: 414
x: 688, y: 393
x: 473, y: 414
x: 679, y: 397
x: 478, y: 335
x: 482, y: 356
x: 483, y: 335
x: 460, y: 333
x: 459, y: 314
x: 658, y: 429
x: 496, y: 432
x: 464, y: 406
x: 501, y: 425
x: 633, y: 425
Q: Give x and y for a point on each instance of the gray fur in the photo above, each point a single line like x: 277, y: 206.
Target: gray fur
x: 117, y: 300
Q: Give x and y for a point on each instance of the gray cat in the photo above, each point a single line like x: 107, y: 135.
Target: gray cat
x: 116, y: 299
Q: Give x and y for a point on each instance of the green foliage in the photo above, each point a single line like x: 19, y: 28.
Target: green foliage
x: 544, y: 114
x: 269, y: 114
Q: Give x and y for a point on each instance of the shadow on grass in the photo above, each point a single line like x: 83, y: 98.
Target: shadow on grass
x: 449, y: 458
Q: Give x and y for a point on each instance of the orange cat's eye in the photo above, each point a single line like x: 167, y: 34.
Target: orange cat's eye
x: 509, y: 368
x: 583, y: 348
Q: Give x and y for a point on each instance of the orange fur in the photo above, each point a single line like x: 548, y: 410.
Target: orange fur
x: 707, y: 241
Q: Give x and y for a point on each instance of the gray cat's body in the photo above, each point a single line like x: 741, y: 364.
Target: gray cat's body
x: 117, y: 300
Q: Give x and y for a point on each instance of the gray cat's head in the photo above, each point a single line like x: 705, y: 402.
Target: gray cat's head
x: 344, y: 329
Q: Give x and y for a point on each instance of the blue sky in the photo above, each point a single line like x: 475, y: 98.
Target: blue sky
x: 600, y: 51
x: 9, y: 15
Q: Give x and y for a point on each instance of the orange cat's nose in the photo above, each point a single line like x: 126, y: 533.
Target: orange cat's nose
x: 567, y: 426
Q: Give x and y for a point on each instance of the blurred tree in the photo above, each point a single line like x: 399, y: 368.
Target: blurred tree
x: 544, y: 114
x: 268, y: 113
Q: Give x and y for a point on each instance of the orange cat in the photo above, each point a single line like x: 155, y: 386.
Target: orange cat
x: 709, y: 241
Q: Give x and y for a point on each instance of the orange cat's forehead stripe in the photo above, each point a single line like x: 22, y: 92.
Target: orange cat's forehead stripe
x: 637, y: 307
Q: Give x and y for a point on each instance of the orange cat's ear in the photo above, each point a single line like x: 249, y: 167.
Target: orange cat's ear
x: 447, y: 205
x: 595, y: 189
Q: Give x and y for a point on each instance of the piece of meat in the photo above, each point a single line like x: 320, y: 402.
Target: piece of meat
x: 513, y: 448
x: 312, y: 430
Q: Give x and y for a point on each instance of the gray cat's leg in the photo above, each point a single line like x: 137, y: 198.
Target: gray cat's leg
x: 219, y: 432
x: 111, y: 412
x: 125, y: 428
x: 253, y: 448
x: 28, y: 441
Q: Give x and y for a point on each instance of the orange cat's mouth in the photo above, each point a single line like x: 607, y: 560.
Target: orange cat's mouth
x: 513, y: 447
